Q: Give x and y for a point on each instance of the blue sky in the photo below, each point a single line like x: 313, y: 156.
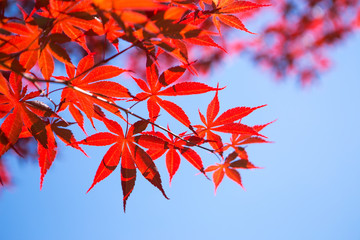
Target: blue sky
x: 309, y: 187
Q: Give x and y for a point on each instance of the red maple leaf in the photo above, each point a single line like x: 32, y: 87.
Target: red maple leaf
x: 172, y: 146
x: 72, y: 18
x: 132, y: 156
x: 89, y: 78
x: 237, y: 140
x: 163, y: 85
x: 20, y: 111
x: 229, y: 167
x: 224, y: 123
x: 55, y: 127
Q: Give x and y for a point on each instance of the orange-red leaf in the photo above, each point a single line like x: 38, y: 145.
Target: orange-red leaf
x: 79, y: 119
x: 240, y: 6
x: 234, y: 175
x: 28, y: 59
x: 171, y: 75
x: 253, y: 140
x: 99, y: 139
x: 146, y: 166
x: 153, y: 109
x: 35, y: 125
x: 46, y: 63
x: 175, y: 111
x: 192, y: 157
x: 187, y: 88
x: 213, y: 109
x: 151, y: 141
x: 47, y: 155
x: 215, y: 141
x: 204, y: 40
x: 172, y: 162
x: 242, y: 163
x: 108, y: 164
x: 258, y: 128
x: 128, y: 174
x: 10, y: 130
x: 152, y: 73
x: 233, y: 21
x: 236, y: 128
x: 234, y: 114
x: 114, y: 127
x: 108, y: 89
x: 4, y: 85
x: 102, y: 72
x: 142, y: 84
x: 84, y: 64
x: 218, y: 176
x: 212, y: 168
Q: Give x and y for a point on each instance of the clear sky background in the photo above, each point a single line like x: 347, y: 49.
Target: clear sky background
x: 309, y: 187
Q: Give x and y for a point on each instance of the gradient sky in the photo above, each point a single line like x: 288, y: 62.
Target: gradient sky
x: 308, y: 188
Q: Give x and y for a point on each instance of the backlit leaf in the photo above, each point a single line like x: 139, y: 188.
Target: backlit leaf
x: 233, y: 175
x: 233, y: 21
x: 239, y: 6
x: 108, y: 164
x: 218, y: 176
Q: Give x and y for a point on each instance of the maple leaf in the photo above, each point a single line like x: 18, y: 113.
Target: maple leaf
x: 47, y: 155
x: 221, y: 12
x: 226, y: 7
x: 111, y: 30
x: 162, y: 29
x: 224, y: 123
x: 132, y: 156
x: 172, y: 48
x: 167, y: 25
x: 172, y: 146
x: 32, y: 51
x: 22, y: 111
x: 228, y: 168
x: 163, y: 85
x: 235, y: 6
x: 196, y: 17
x: 166, y: 31
x: 204, y: 40
x: 71, y: 18
x: 14, y: 101
x: 34, y: 46
x: 89, y: 78
x: 233, y: 21
x: 241, y: 139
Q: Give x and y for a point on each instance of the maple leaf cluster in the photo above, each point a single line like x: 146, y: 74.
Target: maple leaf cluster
x: 297, y: 42
x: 54, y: 33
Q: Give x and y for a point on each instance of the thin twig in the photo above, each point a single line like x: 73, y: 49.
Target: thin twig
x: 43, y: 93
